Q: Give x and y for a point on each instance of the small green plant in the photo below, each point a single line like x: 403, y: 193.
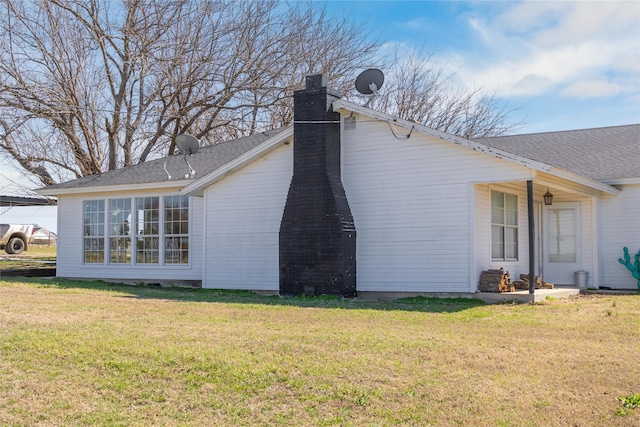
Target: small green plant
x: 633, y: 267
x: 629, y: 402
x: 622, y: 412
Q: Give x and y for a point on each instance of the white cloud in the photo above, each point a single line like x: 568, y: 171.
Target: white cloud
x: 535, y: 48
x: 530, y: 83
x: 591, y: 89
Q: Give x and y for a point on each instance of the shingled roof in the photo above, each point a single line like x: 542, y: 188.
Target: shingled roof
x: 207, y: 159
x: 603, y: 154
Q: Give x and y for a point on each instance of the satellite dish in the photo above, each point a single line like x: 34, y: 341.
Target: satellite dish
x: 369, y: 81
x: 187, y: 144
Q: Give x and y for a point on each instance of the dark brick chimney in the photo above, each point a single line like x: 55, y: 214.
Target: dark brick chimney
x: 317, y: 233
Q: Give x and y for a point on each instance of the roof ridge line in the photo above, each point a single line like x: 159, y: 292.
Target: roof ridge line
x: 558, y: 131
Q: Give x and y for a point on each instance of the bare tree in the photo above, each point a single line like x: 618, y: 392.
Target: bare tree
x: 420, y: 90
x: 94, y: 85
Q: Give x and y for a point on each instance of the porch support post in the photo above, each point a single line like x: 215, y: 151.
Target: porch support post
x: 532, y: 283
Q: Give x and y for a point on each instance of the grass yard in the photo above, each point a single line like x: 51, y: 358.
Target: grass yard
x: 35, y: 251
x: 77, y: 353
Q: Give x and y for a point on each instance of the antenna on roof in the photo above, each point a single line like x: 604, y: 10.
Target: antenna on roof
x: 188, y: 145
x: 369, y: 82
x: 166, y: 171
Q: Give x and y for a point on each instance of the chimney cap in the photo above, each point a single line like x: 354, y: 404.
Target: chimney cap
x: 315, y: 82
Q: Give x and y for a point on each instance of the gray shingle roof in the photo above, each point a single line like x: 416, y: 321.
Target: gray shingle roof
x: 207, y: 159
x: 602, y: 154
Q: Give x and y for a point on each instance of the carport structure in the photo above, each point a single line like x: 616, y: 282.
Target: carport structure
x: 11, y: 201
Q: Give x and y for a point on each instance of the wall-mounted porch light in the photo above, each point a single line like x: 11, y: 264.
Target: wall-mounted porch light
x: 548, y: 198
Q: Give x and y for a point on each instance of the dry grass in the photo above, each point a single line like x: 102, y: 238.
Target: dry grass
x: 80, y: 354
x: 34, y: 251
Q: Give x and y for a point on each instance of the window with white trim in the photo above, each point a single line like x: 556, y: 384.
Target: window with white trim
x: 504, y: 226
x: 93, y: 231
x: 176, y: 229
x: 120, y: 231
x: 147, y: 230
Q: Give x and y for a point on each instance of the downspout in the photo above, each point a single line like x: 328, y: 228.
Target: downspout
x: 532, y: 254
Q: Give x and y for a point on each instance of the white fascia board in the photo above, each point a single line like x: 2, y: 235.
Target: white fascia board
x: 579, y: 179
x: 113, y: 188
x: 622, y: 181
x: 197, y: 187
x: 481, y: 148
x: 475, y: 146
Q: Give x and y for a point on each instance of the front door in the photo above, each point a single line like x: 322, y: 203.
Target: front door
x: 561, y: 255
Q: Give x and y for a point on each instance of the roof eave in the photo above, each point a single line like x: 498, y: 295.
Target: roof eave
x: 196, y: 188
x: 476, y: 146
x: 622, y: 181
x: 587, y: 182
x: 46, y: 191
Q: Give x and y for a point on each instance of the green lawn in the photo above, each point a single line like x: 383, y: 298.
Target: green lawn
x: 78, y: 353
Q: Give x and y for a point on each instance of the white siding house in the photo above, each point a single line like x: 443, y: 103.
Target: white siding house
x: 431, y: 210
x: 243, y: 213
x: 413, y: 205
x: 619, y: 227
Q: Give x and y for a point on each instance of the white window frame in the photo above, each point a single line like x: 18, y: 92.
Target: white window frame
x: 509, y: 230
x: 144, y: 233
x: 175, y: 231
x: 119, y: 231
x: 93, y: 233
x: 105, y: 227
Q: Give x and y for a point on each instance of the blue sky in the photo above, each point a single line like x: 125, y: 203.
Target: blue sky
x: 560, y: 65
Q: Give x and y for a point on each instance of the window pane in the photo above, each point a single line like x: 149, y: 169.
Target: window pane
x: 120, y: 250
x: 562, y: 239
x: 94, y: 250
x: 147, y: 230
x: 497, y: 199
x: 497, y: 242
x: 147, y: 250
x: 504, y: 222
x: 176, y: 220
x: 176, y: 250
x: 511, y: 209
x: 120, y: 231
x: 511, y: 217
x: 511, y: 243
x: 93, y: 231
x: 497, y: 207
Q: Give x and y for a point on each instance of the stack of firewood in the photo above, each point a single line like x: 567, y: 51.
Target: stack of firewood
x: 523, y: 283
x: 495, y: 281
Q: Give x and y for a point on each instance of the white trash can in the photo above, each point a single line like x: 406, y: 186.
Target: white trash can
x: 581, y: 279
